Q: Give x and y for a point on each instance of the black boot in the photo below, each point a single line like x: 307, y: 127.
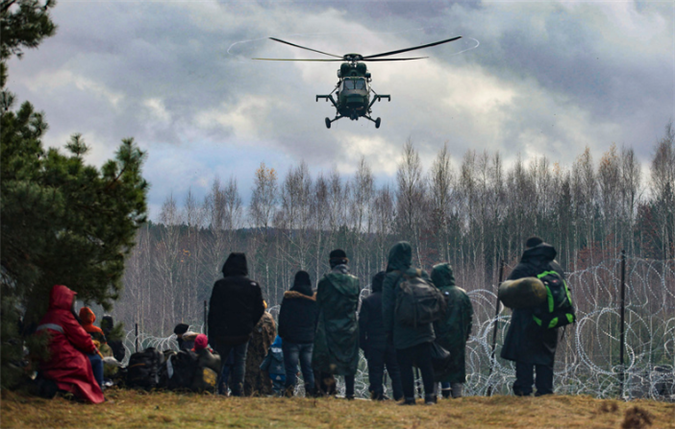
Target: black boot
x: 407, y: 401
x: 430, y: 399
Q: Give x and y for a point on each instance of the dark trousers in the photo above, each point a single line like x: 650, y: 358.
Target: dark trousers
x: 420, y: 356
x: 525, y: 379
x: 294, y: 352
x: 239, y: 368
x: 97, y: 367
x: 377, y: 359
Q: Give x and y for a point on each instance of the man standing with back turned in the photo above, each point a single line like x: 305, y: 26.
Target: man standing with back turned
x: 336, y: 344
x: 236, y: 306
x: 529, y: 345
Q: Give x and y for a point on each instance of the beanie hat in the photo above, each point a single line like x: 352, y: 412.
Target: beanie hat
x: 338, y: 253
x: 180, y: 329
x: 201, y: 342
x: 338, y: 257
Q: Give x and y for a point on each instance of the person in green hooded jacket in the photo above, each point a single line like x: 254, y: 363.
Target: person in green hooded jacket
x: 336, y: 344
x: 452, y: 331
x: 412, y: 343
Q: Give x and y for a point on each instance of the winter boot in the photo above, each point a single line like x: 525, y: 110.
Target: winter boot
x: 407, y: 401
x: 430, y: 399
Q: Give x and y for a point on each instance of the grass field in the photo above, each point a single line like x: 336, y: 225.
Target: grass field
x: 128, y: 408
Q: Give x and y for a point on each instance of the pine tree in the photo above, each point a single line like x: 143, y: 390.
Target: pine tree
x: 63, y: 222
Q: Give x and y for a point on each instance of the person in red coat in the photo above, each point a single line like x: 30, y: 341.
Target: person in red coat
x: 69, y: 344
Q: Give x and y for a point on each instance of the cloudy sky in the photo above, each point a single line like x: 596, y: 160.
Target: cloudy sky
x: 527, y: 79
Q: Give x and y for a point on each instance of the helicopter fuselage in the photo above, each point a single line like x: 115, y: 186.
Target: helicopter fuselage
x: 353, y: 97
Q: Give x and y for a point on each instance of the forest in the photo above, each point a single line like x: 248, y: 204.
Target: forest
x: 472, y: 212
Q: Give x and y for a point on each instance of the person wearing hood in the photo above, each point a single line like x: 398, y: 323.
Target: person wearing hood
x: 297, y: 326
x: 68, y: 365
x: 378, y: 350
x: 453, y: 330
x: 208, y: 366
x: 336, y: 345
x: 235, y: 307
x: 87, y: 319
x: 273, y: 366
x: 412, y: 343
x: 530, y: 346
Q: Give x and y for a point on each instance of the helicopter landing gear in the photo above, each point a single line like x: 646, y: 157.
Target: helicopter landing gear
x: 328, y: 122
x: 377, y: 122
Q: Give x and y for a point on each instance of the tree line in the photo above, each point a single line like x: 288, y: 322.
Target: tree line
x: 473, y: 216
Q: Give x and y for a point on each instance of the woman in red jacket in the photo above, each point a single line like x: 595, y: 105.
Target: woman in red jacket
x: 69, y: 344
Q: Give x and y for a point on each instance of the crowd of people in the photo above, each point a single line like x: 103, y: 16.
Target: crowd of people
x: 319, y: 334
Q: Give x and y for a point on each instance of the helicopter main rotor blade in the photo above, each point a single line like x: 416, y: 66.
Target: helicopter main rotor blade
x: 303, y: 47
x: 393, y: 59
x: 412, y: 49
x: 298, y: 59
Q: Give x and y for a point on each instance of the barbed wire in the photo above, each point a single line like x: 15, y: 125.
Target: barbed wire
x: 587, y: 358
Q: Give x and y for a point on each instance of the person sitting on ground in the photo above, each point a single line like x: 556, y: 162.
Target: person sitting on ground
x: 273, y: 366
x: 297, y: 326
x: 113, y: 337
x: 185, y: 338
x: 87, y: 319
x: 208, y: 366
x: 68, y: 365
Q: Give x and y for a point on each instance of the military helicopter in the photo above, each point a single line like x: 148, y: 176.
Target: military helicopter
x: 353, y: 91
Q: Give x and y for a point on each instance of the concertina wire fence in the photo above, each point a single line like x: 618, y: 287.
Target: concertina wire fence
x: 588, y: 354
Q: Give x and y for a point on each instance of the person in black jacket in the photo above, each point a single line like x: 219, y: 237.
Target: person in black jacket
x: 297, y: 325
x: 529, y: 345
x: 377, y: 350
x: 235, y: 307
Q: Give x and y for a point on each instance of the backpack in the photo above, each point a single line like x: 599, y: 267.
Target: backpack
x: 205, y: 380
x: 418, y: 302
x: 182, y: 368
x: 145, y: 369
x: 557, y: 310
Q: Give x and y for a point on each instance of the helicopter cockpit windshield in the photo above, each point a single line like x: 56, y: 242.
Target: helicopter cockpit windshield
x: 351, y: 84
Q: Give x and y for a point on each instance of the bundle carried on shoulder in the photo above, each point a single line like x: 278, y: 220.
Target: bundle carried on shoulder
x: 522, y: 293
x: 418, y: 302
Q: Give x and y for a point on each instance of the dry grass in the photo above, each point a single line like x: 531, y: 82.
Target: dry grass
x: 128, y: 408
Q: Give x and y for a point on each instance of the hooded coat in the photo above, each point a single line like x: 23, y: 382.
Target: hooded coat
x: 399, y: 262
x: 452, y: 331
x: 525, y: 341
x: 298, y: 313
x: 87, y: 318
x: 69, y: 342
x: 236, y: 304
x: 371, y: 328
x: 336, y: 344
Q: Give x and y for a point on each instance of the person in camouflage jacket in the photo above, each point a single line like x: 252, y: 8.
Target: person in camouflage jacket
x: 256, y: 382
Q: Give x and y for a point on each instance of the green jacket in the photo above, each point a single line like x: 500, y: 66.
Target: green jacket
x: 400, y: 259
x: 336, y: 344
x: 454, y: 329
